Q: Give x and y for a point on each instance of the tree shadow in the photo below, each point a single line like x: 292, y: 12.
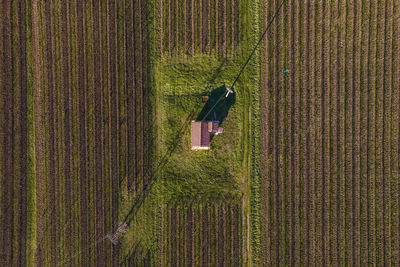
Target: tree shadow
x: 217, y: 106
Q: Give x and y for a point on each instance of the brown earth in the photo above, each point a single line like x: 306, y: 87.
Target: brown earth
x: 189, y: 28
x: 329, y: 134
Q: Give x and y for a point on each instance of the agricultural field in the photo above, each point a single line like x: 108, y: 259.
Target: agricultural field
x: 74, y: 117
x: 331, y: 134
x: 96, y: 103
x: 196, y: 209
x: 95, y: 108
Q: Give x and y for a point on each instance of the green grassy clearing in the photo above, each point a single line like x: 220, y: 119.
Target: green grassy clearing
x: 221, y: 175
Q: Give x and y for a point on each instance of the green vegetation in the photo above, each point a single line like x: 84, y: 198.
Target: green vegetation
x: 224, y: 174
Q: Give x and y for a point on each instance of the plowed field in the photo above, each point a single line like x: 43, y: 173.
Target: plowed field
x: 73, y: 82
x: 331, y: 134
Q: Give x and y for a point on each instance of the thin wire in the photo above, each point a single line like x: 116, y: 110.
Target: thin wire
x: 259, y: 41
x: 248, y: 59
x: 219, y: 99
x: 222, y: 95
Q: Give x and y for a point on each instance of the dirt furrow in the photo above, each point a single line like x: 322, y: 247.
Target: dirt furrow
x: 386, y: 194
x: 77, y: 138
x: 45, y: 109
x: 203, y: 237
x: 280, y: 142
x: 185, y: 25
x: 98, y: 130
x: 15, y: 103
x: 319, y: 134
x: 114, y: 128
x: 120, y: 131
x: 312, y: 127
x: 395, y: 230
x: 173, y: 235
x: 379, y: 156
x: 161, y: 14
x: 372, y: 133
x: 22, y: 149
x: 131, y: 96
x: 104, y: 24
x: 186, y: 242
x: 273, y: 231
x: 192, y: 237
x: 37, y: 57
x: 2, y: 137
x: 265, y: 79
x: 326, y: 134
x: 216, y: 234
x: 6, y: 135
x: 170, y: 37
x: 233, y: 27
x: 208, y: 15
x: 200, y: 24
x: 69, y: 135
x: 177, y: 236
x: 168, y: 237
x: 205, y: 28
x: 291, y: 140
x: 142, y: 40
x: 83, y: 135
x: 296, y: 84
x: 91, y: 65
x: 341, y: 132
x: 106, y: 41
x: 356, y: 157
x: 177, y: 30
x: 192, y: 19
x: 303, y: 179
x: 224, y: 28
x: 217, y: 34
x: 234, y: 239
x: 333, y: 135
x: 18, y: 102
x: 349, y: 127
x: 61, y: 127
x: 364, y: 53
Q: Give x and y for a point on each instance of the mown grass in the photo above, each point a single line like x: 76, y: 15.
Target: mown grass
x: 213, y: 175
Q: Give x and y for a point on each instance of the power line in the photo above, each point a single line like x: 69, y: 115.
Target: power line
x: 259, y: 41
x: 248, y: 59
x: 164, y: 160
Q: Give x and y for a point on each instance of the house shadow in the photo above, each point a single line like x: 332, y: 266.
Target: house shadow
x: 217, y: 106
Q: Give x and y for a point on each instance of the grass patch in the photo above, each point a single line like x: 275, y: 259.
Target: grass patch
x: 196, y: 176
x: 221, y: 175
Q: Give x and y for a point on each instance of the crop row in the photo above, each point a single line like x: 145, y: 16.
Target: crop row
x: 13, y: 135
x: 331, y: 134
x: 74, y: 111
x: 188, y: 26
x: 206, y: 236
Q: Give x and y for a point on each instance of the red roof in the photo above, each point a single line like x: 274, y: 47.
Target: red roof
x: 201, y: 133
x: 213, y: 126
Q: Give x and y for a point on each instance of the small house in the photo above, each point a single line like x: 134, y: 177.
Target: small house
x: 201, y: 133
